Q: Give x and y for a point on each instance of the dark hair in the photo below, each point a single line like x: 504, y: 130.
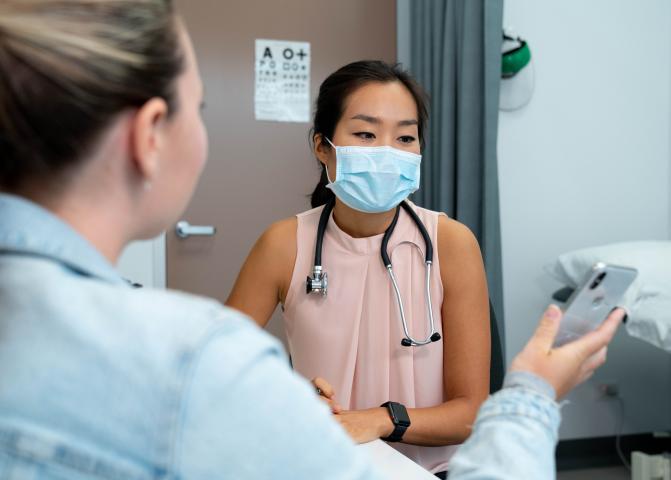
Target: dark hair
x: 68, y: 68
x: 333, y: 94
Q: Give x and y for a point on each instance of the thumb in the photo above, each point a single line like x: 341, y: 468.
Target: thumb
x: 548, y: 327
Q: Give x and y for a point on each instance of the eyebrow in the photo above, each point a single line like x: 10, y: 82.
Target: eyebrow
x: 377, y: 121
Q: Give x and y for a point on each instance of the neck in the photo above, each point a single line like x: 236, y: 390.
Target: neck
x: 99, y: 229
x: 359, y: 224
x: 102, y: 227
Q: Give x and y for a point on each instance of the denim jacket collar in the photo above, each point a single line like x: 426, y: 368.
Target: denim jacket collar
x: 28, y: 229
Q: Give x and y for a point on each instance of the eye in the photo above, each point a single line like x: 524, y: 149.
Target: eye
x: 407, y: 139
x: 365, y: 135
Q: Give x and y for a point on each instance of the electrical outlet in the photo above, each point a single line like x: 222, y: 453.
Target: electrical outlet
x: 650, y: 467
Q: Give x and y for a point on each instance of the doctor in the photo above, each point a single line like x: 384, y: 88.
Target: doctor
x: 390, y: 359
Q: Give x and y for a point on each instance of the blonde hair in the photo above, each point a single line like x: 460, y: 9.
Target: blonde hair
x: 67, y: 67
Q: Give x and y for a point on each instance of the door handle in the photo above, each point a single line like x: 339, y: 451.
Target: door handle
x: 185, y: 230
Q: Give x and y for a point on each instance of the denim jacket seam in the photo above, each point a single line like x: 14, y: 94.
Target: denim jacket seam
x: 12, y: 447
x: 547, y: 422
x: 213, y: 331
x: 543, y: 413
x: 527, y: 392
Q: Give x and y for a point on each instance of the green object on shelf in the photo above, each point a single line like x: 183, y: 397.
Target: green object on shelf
x: 515, y: 60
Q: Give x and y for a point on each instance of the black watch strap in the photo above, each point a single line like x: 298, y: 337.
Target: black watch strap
x: 399, y: 416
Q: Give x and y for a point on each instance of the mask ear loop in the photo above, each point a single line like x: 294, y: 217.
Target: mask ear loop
x: 328, y: 177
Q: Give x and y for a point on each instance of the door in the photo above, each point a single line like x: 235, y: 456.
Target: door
x: 258, y: 171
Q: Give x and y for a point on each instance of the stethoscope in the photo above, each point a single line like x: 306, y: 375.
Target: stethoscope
x: 318, y: 282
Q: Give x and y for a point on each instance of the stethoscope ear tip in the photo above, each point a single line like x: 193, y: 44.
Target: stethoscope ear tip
x: 435, y: 337
x: 406, y: 342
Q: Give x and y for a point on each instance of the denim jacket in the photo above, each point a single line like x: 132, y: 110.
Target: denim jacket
x: 102, y: 381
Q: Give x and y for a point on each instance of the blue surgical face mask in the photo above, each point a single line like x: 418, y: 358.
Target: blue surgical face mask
x: 374, y: 179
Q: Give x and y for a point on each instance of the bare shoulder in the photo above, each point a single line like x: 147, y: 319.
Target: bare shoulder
x: 275, y: 254
x: 266, y: 273
x: 279, y: 240
x: 455, y: 238
x: 461, y: 263
x: 272, y: 255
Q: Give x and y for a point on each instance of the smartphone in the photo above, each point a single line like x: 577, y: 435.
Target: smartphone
x: 591, y: 303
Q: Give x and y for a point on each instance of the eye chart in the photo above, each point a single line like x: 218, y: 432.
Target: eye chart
x: 282, y: 87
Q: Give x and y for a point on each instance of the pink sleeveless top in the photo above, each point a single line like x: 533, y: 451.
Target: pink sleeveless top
x: 352, y: 337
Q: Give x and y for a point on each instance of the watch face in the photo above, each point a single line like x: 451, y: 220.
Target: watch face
x: 400, y: 414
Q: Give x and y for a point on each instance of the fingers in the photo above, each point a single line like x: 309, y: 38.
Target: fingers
x: 599, y: 338
x: 333, y: 406
x: 596, y: 360
x: 548, y: 327
x: 627, y: 314
x: 326, y: 393
x: 584, y: 376
x: 323, y: 387
x: 590, y: 366
x: 612, y: 323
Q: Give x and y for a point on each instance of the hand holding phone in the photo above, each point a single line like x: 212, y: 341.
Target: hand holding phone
x: 591, y: 303
x: 568, y: 366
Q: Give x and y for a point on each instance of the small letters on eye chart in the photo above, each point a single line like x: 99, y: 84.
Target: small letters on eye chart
x: 282, y: 87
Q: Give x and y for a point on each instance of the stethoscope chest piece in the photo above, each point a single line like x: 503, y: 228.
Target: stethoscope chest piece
x: 318, y: 283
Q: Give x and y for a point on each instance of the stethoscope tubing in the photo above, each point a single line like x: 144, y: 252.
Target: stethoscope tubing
x: 413, y: 341
x: 408, y: 340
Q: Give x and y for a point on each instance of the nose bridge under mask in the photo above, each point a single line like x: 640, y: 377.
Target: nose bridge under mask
x: 377, y: 151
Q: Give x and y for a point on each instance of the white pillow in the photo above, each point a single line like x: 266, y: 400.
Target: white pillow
x: 648, y: 299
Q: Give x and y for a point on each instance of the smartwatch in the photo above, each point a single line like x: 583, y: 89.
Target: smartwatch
x: 399, y: 416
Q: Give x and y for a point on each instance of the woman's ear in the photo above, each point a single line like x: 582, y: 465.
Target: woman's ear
x: 322, y: 148
x: 147, y: 138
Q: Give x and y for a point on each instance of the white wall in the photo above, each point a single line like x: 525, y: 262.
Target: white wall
x: 144, y: 263
x: 587, y: 163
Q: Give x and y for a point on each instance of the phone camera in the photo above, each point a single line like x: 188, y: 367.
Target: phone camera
x: 597, y: 281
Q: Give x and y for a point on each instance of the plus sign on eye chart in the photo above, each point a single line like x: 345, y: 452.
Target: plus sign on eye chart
x: 282, y: 87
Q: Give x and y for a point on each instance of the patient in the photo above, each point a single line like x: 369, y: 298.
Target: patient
x: 101, y: 143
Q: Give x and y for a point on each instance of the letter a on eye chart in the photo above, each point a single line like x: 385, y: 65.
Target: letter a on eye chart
x: 282, y: 87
